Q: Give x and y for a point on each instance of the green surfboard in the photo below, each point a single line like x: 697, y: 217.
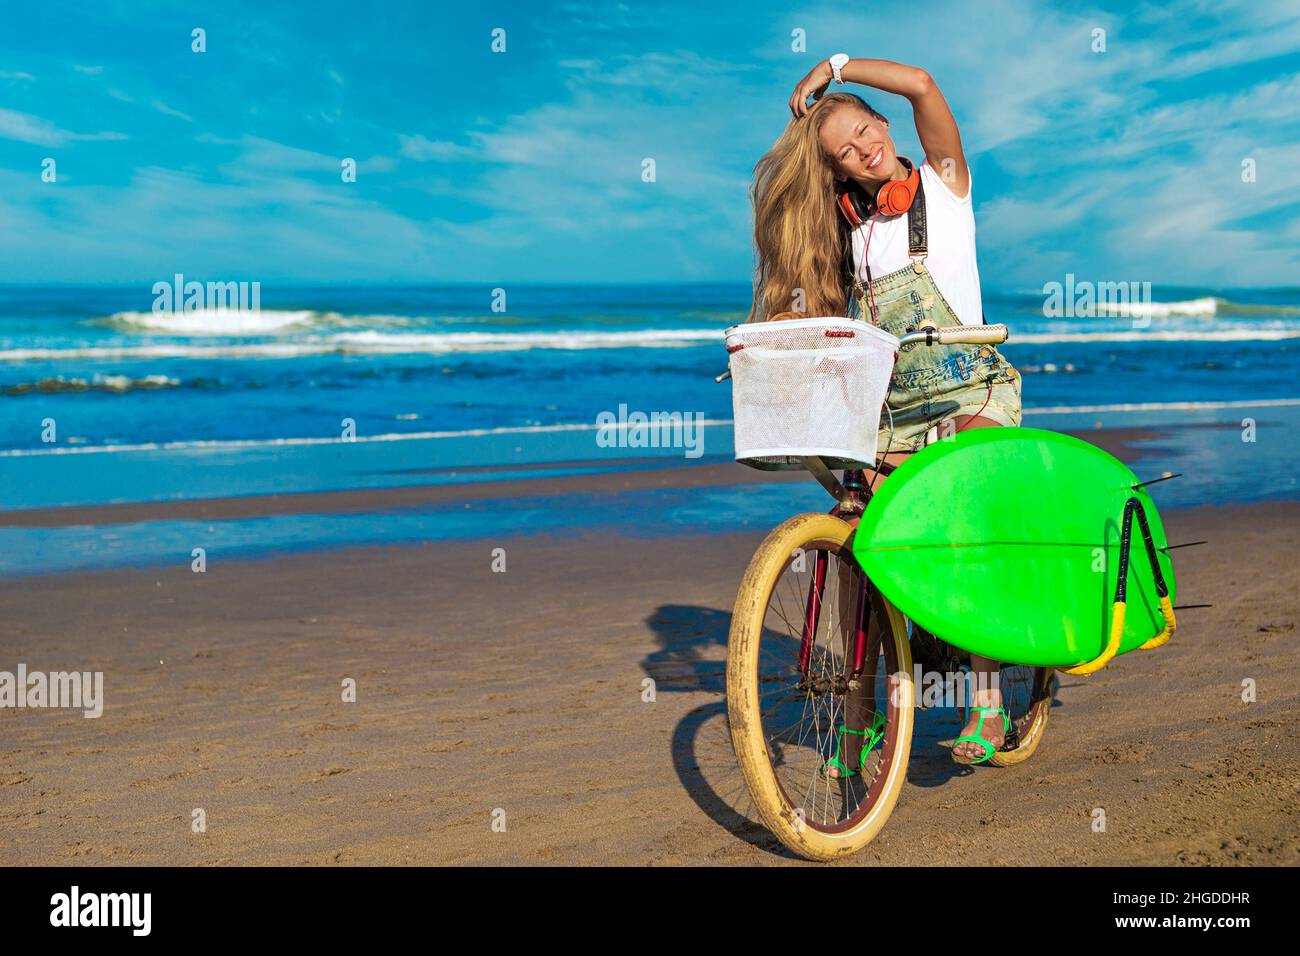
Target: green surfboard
x: 1005, y: 542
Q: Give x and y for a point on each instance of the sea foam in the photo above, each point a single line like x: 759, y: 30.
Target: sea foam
x: 215, y: 321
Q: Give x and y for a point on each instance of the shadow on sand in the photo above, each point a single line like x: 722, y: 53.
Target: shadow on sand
x: 692, y: 659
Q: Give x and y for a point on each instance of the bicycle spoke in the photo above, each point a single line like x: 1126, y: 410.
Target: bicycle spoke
x: 802, y: 706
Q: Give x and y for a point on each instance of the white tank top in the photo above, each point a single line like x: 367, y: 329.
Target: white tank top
x: 950, y: 226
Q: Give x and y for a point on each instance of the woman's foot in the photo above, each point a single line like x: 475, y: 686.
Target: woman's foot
x: 985, y: 720
x: 986, y: 723
x: 853, y: 746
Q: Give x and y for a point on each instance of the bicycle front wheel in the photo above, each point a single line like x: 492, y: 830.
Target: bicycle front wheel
x: 793, y: 683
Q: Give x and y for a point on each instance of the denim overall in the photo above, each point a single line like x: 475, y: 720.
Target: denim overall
x: 931, y: 383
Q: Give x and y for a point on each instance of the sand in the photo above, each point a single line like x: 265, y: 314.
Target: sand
x: 518, y: 698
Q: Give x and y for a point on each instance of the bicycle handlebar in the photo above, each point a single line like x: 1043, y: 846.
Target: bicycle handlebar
x: 958, y: 335
x: 952, y: 335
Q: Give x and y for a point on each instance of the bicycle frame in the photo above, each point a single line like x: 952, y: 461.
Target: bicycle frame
x: 851, y: 495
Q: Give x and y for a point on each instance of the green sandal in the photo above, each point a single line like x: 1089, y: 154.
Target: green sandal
x: 989, y: 749
x: 874, y: 736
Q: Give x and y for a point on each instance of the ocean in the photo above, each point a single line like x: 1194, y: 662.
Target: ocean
x: 103, y: 399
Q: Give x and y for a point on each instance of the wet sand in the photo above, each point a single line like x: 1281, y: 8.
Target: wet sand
x: 521, y: 693
x: 641, y: 474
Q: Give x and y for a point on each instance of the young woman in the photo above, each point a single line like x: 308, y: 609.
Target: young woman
x: 844, y: 225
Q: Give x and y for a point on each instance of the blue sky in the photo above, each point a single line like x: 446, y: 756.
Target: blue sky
x: 526, y: 166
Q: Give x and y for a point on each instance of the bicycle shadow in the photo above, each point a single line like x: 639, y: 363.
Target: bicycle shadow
x: 692, y: 659
x: 722, y: 806
x: 931, y: 764
x: 686, y: 634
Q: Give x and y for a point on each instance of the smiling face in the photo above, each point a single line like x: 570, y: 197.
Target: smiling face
x: 858, y: 146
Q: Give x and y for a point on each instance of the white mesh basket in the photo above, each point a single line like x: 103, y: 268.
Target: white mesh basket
x: 805, y: 387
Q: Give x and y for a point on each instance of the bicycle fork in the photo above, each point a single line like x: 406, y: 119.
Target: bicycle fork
x: 856, y: 691
x: 849, y: 494
x: 856, y: 651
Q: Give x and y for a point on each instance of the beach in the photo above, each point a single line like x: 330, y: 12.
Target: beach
x: 365, y: 586
x: 370, y: 491
x: 504, y: 716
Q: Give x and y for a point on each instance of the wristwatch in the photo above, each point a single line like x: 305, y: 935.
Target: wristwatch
x: 837, y: 63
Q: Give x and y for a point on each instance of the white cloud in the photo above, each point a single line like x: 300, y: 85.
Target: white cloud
x: 1109, y: 162
x: 424, y: 150
x: 377, y: 164
x: 166, y: 110
x: 1116, y: 162
x: 230, y: 230
x: 26, y: 128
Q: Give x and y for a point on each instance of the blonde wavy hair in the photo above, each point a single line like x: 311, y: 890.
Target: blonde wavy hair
x: 798, y: 234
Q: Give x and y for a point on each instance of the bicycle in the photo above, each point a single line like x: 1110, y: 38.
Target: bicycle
x: 808, y: 670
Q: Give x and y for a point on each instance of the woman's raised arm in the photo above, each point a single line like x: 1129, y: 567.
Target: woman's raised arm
x: 935, y: 124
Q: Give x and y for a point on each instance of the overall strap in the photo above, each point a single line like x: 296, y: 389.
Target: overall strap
x: 850, y: 270
x: 846, y: 242
x: 917, y: 243
x: 917, y: 236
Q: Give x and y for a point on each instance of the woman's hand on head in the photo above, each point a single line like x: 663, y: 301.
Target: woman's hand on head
x: 814, y: 85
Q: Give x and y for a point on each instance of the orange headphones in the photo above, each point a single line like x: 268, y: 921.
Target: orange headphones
x: 893, y: 199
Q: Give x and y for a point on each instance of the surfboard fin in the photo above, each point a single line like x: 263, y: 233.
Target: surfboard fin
x: 1189, y: 544
x: 1143, y: 484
